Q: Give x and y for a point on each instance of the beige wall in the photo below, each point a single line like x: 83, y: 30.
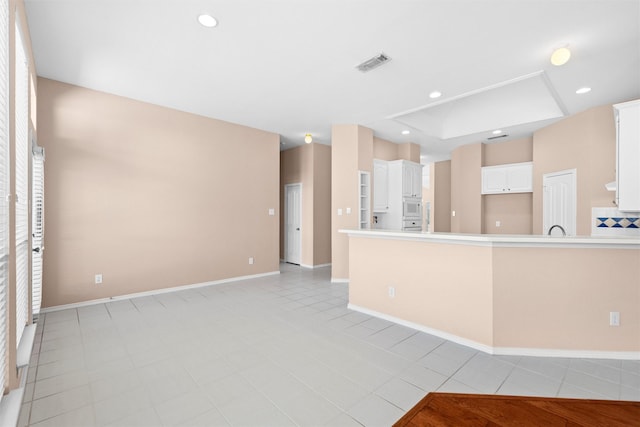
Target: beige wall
x: 431, y: 288
x: 409, y: 151
x: 441, y: 206
x: 321, y: 204
x: 466, y: 200
x: 561, y: 298
x: 586, y: 142
x: 150, y: 197
x: 516, y: 297
x: 309, y: 165
x: 513, y: 211
x: 387, y: 150
x: 345, y: 149
x: 384, y: 150
x: 514, y: 151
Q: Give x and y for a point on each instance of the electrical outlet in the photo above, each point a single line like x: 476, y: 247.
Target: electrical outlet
x: 272, y: 211
x: 98, y: 279
x: 250, y: 260
x: 614, y: 318
x: 392, y: 292
x: 498, y: 223
x: 348, y: 211
x: 453, y: 213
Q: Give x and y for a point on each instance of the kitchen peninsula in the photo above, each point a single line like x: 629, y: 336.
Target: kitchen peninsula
x: 503, y: 294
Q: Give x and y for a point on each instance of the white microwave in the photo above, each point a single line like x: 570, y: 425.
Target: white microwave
x: 412, y: 208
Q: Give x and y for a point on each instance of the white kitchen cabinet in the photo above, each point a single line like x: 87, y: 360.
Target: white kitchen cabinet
x: 380, y: 186
x: 628, y: 155
x: 510, y: 178
x: 411, y: 179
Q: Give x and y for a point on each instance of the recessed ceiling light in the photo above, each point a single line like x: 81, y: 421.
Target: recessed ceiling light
x: 560, y: 56
x: 406, y: 132
x: 583, y: 90
x: 496, y: 132
x: 207, y: 20
x: 435, y: 94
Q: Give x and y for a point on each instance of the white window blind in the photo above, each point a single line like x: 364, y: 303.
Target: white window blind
x: 22, y: 186
x: 4, y: 184
x: 37, y: 228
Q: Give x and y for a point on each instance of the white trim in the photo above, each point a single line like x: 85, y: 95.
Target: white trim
x: 502, y: 351
x: 25, y: 347
x: 12, y: 403
x: 582, y: 354
x: 154, y: 292
x: 339, y: 280
x: 315, y: 266
x: 447, y: 336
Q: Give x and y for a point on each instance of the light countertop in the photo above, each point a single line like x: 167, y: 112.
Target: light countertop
x: 501, y: 240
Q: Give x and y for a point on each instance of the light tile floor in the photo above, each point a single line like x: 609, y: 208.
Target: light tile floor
x: 282, y: 350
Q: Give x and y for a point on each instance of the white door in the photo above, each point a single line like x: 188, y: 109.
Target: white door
x: 37, y: 228
x: 292, y: 220
x: 559, y: 202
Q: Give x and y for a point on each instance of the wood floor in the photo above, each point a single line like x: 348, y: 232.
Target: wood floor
x: 461, y: 410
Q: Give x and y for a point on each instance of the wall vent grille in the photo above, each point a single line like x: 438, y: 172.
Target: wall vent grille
x: 374, y: 62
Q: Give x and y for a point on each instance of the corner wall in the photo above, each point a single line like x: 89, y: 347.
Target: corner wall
x: 150, y: 197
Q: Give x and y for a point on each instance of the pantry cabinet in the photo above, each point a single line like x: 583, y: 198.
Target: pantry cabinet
x: 509, y: 178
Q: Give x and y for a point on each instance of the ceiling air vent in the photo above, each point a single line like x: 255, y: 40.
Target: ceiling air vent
x: 374, y: 62
x: 497, y: 137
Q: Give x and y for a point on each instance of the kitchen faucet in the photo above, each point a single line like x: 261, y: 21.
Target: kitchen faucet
x: 564, y: 233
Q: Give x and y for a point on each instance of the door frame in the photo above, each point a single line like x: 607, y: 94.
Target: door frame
x: 573, y: 202
x: 286, y: 217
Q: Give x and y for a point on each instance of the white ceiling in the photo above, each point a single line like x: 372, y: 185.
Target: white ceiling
x: 288, y: 66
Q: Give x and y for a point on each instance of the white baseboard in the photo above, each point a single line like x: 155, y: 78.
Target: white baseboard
x: 154, y: 292
x: 314, y: 266
x: 503, y: 351
x: 339, y: 280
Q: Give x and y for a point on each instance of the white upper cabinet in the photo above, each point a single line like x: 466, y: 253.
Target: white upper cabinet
x: 380, y: 186
x: 510, y: 178
x: 411, y: 179
x: 628, y: 155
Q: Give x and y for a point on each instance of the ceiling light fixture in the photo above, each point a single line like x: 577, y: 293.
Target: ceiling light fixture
x: 560, y: 56
x: 406, y: 132
x: 308, y: 138
x: 496, y: 132
x: 435, y: 94
x: 583, y: 90
x: 207, y: 20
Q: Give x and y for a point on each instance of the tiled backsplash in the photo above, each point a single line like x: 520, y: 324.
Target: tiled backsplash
x: 611, y: 222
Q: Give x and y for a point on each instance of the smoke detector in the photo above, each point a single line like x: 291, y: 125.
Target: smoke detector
x: 374, y: 62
